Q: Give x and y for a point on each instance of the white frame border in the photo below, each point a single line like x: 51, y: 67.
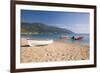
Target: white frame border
x: 52, y: 64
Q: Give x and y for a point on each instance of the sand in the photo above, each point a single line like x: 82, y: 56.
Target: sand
x: 57, y: 51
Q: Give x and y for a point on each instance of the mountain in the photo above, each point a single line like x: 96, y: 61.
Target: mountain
x: 42, y: 28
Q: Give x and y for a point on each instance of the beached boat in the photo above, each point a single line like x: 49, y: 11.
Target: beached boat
x: 64, y: 37
x: 79, y: 38
x: 33, y: 42
x: 73, y: 38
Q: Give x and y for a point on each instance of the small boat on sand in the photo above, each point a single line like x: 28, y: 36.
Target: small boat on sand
x: 33, y: 42
x: 73, y: 38
x: 79, y: 38
x: 64, y: 37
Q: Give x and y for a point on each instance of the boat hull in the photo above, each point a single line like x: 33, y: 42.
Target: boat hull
x: 39, y: 42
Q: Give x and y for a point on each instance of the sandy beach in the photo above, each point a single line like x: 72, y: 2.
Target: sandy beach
x: 56, y: 51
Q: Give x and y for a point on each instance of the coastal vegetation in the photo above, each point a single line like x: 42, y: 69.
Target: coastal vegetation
x: 40, y: 28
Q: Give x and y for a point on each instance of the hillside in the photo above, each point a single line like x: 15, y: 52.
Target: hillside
x: 41, y: 28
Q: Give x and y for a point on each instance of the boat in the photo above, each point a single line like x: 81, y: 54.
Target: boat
x: 64, y: 37
x: 73, y: 38
x: 79, y: 38
x: 33, y: 42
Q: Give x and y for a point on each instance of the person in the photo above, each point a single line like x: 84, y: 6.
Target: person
x: 73, y: 38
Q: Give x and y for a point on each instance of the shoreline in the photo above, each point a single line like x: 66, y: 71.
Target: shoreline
x: 56, y: 51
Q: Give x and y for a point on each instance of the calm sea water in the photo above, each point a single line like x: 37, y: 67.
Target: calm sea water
x: 55, y: 37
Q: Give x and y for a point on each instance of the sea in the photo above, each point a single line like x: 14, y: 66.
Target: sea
x: 57, y: 36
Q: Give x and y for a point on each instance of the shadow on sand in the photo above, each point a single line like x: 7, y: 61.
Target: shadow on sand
x: 25, y: 46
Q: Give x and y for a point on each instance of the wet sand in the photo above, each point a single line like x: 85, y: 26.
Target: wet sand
x: 56, y: 51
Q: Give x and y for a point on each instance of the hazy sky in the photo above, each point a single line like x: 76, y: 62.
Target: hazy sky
x: 74, y: 21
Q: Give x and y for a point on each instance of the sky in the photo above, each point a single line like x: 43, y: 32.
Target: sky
x: 74, y: 21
